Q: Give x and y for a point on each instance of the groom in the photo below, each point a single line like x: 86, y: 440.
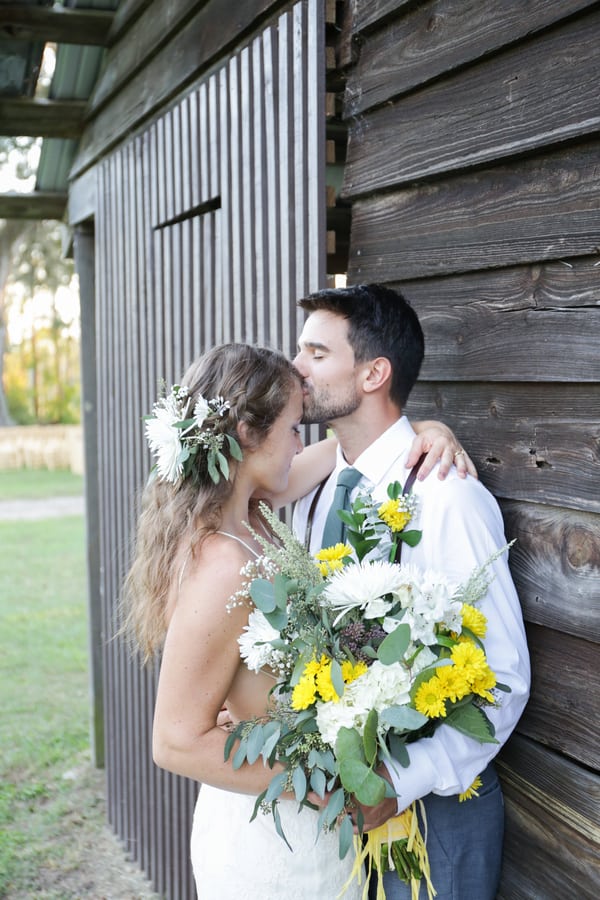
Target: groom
x: 360, y: 352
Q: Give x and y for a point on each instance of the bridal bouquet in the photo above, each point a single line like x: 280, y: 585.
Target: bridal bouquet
x: 369, y: 655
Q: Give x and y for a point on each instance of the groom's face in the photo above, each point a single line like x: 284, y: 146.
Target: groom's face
x: 326, y: 362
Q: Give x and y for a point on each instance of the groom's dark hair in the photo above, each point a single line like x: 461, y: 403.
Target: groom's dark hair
x: 381, y: 322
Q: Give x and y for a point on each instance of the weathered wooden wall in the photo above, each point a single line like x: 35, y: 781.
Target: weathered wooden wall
x: 474, y: 131
x: 209, y: 222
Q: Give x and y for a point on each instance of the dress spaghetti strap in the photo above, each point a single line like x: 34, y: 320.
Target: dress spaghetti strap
x: 240, y: 541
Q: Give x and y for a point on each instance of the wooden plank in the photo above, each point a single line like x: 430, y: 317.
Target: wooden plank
x: 555, y: 563
x: 537, y: 443
x: 41, y: 118
x: 563, y: 711
x: 37, y: 205
x: 552, y: 828
x: 370, y: 12
x: 435, y: 38
x: 139, y: 76
x: 83, y: 197
x: 549, y: 208
x: 562, y: 284
x: 57, y: 25
x: 482, y: 325
x: 535, y: 95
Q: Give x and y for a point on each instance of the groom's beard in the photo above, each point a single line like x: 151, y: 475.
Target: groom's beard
x: 322, y: 408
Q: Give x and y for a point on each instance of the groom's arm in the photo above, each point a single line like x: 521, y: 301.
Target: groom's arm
x: 462, y: 527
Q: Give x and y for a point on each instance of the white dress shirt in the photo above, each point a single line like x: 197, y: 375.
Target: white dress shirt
x: 462, y: 526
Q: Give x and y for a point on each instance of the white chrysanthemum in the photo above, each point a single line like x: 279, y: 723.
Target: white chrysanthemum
x: 164, y: 441
x: 201, y: 410
x: 428, y: 599
x: 363, y: 587
x: 255, y: 647
x: 378, y: 688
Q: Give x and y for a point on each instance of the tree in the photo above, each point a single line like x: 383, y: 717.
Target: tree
x: 49, y: 349
x: 15, y: 152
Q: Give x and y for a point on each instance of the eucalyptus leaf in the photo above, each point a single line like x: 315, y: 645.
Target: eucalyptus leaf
x: 398, y: 750
x: 255, y: 743
x: 336, y: 678
x: 231, y: 739
x: 279, y: 827
x: 299, y: 783
x: 370, y: 736
x: 318, y: 782
x: 263, y: 595
x: 271, y: 734
x: 403, y: 718
x: 239, y: 757
x: 212, y: 470
x: 277, y: 618
x: 349, y: 746
x: 362, y: 781
x: 281, y: 586
x: 394, y: 645
x: 335, y: 806
x: 234, y: 448
x: 223, y: 464
x: 276, y: 787
x: 346, y: 836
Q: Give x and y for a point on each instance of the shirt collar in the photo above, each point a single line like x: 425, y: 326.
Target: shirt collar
x: 375, y: 462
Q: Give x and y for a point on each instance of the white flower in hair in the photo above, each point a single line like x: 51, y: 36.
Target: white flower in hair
x: 175, y: 440
x: 201, y: 410
x: 164, y: 439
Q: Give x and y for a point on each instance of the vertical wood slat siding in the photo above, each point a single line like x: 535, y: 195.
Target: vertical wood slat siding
x: 245, y: 140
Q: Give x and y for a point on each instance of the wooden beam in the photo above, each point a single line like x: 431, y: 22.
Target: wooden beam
x: 41, y: 118
x: 59, y: 25
x: 37, y: 205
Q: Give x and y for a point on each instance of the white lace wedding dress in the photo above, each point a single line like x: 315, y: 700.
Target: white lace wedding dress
x: 235, y: 859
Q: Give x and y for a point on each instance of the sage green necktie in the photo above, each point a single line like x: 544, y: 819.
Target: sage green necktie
x: 334, y: 530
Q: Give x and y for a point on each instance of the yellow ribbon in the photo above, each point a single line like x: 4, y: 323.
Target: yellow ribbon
x: 368, y: 851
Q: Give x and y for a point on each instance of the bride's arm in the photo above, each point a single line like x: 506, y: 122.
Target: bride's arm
x: 433, y: 438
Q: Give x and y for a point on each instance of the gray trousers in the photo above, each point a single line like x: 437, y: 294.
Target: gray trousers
x: 464, y: 843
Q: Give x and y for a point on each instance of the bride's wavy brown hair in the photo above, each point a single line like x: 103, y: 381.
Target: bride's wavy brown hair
x: 258, y: 384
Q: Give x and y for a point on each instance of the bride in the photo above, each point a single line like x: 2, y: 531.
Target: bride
x: 242, y: 409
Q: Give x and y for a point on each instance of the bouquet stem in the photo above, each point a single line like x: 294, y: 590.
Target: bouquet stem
x: 396, y: 845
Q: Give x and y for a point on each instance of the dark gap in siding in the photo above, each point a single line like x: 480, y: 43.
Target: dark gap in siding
x: 200, y: 210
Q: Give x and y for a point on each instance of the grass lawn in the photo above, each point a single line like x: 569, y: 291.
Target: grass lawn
x: 25, y: 484
x: 44, y: 733
x: 54, y: 841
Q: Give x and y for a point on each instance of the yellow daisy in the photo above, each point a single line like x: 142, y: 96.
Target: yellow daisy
x: 429, y: 699
x: 352, y: 671
x: 474, y: 620
x: 331, y: 559
x: 325, y: 686
x: 304, y: 693
x: 452, y: 684
x: 394, y: 517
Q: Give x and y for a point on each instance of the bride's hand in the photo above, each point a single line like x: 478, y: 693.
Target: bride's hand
x: 439, y: 443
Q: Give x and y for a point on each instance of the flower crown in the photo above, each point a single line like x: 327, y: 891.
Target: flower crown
x: 175, y: 438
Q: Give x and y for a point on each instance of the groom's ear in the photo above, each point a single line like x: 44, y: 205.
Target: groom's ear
x: 378, y: 374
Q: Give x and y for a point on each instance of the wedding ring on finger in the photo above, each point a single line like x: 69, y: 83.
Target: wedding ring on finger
x: 459, y: 453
